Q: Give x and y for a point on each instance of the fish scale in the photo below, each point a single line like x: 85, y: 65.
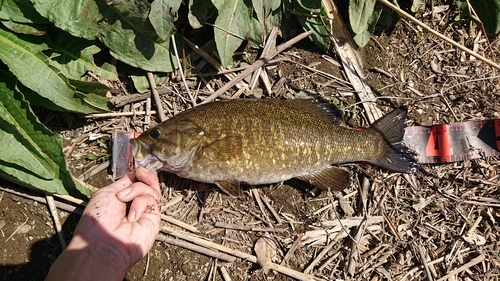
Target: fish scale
x: 268, y: 141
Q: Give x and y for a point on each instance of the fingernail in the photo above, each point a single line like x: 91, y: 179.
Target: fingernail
x: 131, y: 215
x: 124, y: 193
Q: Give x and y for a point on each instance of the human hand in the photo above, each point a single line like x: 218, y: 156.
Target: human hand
x: 118, y: 227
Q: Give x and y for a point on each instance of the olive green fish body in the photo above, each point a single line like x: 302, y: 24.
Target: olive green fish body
x: 267, y: 141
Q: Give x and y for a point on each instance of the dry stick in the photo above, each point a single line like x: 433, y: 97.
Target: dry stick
x: 179, y: 223
x: 269, y: 42
x: 343, y: 43
x: 224, y: 273
x: 55, y: 217
x: 426, y: 27
x: 256, y: 194
x: 271, y: 209
x: 193, y: 101
x: 325, y: 250
x: 18, y: 228
x: 351, y: 267
x: 156, y: 96
x: 251, y: 258
x: 424, y: 262
x: 292, y: 249
x: 118, y: 114
x: 195, y: 248
x: 464, y: 267
x: 85, y: 176
x: 214, y: 63
x: 256, y: 65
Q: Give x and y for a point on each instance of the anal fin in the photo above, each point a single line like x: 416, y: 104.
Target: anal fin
x: 231, y: 188
x: 332, y: 178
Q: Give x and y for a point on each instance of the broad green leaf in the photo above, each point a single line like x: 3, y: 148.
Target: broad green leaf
x: 199, y: 12
x: 488, y: 12
x: 363, y: 38
x: 163, y: 15
x: 321, y: 35
x: 74, y: 57
x: 20, y: 157
x: 26, y: 137
x: 20, y: 11
x: 360, y: 12
x: 33, y: 68
x: 232, y: 24
x: 264, y: 8
x: 123, y: 26
x: 81, y: 18
x: 26, y: 28
x: 418, y: 6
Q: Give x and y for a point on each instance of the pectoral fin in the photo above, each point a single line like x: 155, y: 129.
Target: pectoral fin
x: 331, y: 178
x: 224, y: 149
x: 231, y: 188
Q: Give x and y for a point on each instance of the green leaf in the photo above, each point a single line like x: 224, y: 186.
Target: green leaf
x: 123, y: 26
x: 26, y: 28
x: 33, y: 68
x: 321, y: 35
x: 418, y: 6
x: 232, y: 24
x: 163, y: 15
x: 360, y: 12
x: 20, y: 11
x: 81, y: 18
x: 488, y: 12
x: 199, y: 12
x: 44, y: 166
x: 74, y: 57
x: 363, y: 38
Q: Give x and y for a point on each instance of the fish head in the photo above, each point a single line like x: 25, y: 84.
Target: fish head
x: 170, y: 146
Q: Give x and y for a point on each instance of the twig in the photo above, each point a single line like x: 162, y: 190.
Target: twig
x: 85, y: 176
x: 179, y: 223
x: 271, y: 209
x: 424, y: 262
x: 269, y: 42
x: 256, y: 194
x: 195, y: 248
x: 257, y: 64
x: 464, y: 267
x: 118, y: 114
x: 251, y: 258
x: 324, y: 251
x: 225, y: 275
x: 156, y: 97
x: 55, y: 217
x: 18, y: 228
x: 193, y: 101
x: 448, y: 40
x: 292, y: 249
x: 245, y: 227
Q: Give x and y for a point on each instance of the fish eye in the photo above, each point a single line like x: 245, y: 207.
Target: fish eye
x: 154, y: 134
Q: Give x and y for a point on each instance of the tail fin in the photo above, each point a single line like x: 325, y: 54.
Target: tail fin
x: 397, y: 156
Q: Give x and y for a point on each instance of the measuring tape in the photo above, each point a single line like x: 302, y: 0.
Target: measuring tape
x: 454, y: 142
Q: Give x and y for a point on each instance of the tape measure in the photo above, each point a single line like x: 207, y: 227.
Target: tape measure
x: 454, y: 142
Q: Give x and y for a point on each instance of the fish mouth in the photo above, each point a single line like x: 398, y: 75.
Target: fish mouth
x: 142, y: 156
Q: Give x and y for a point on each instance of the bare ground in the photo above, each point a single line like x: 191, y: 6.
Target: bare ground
x: 442, y: 222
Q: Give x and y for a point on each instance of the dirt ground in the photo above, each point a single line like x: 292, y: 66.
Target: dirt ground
x: 442, y: 220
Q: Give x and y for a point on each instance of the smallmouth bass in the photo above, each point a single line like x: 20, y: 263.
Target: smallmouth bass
x: 255, y: 141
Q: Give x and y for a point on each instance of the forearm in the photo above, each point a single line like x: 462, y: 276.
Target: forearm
x: 79, y: 261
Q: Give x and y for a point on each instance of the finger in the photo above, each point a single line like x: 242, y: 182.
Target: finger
x: 148, y: 178
x: 137, y: 189
x: 123, y: 182
x: 142, y: 205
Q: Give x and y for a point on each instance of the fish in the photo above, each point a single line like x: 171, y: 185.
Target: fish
x: 265, y: 141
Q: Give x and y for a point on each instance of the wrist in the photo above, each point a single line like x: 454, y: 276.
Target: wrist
x: 83, y: 260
